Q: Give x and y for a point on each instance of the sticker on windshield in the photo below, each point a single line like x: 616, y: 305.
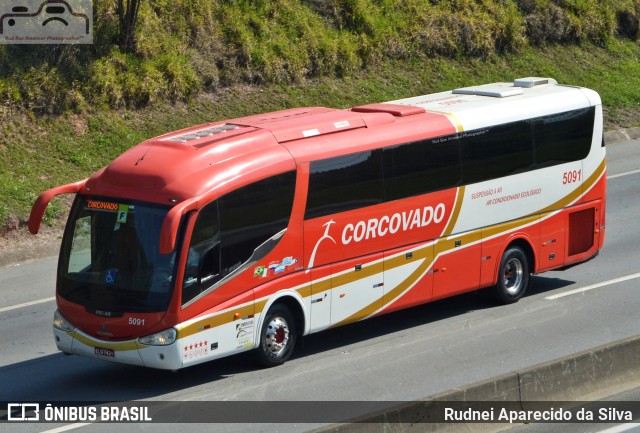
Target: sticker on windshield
x: 123, y: 211
x: 110, y: 276
x: 102, y: 205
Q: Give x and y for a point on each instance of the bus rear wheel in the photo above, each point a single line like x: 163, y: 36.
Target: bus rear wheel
x: 277, y: 336
x: 513, y: 276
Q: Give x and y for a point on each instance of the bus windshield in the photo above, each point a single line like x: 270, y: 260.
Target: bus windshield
x: 110, y: 258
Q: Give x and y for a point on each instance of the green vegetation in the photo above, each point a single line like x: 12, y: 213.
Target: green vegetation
x: 66, y: 111
x: 183, y: 47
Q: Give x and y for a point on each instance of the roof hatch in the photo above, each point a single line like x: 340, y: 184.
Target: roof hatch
x: 504, y: 90
x: 497, y: 90
x: 533, y: 81
x: 199, y: 138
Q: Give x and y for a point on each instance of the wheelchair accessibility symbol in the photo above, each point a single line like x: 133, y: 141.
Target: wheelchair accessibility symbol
x: 46, y: 22
x: 110, y: 276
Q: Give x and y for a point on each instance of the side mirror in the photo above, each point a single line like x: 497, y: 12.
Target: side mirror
x: 37, y: 211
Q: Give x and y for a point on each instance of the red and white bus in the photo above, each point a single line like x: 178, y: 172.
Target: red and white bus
x: 248, y: 233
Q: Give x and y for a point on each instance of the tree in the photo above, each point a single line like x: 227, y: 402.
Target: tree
x: 127, y: 11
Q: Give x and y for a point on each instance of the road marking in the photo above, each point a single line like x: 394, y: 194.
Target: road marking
x: 26, y: 304
x: 626, y: 173
x: 67, y: 427
x: 594, y: 286
x: 620, y: 428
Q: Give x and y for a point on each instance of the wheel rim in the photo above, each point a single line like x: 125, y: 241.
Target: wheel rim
x: 277, y: 336
x: 513, y: 276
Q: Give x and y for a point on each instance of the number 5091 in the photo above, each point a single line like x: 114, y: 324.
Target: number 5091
x: 571, y: 176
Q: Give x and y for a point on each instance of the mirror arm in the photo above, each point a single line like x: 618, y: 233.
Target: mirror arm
x: 40, y: 206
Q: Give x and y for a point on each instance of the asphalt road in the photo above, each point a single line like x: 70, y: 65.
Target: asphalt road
x: 402, y: 356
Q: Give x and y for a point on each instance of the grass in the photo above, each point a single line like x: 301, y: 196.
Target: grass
x: 41, y: 151
x: 187, y: 47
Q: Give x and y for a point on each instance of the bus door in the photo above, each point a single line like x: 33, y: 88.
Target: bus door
x: 408, y: 276
x: 358, y: 286
x: 457, y: 267
x: 320, y: 311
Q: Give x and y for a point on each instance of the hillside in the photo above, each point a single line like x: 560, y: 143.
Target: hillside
x: 68, y: 110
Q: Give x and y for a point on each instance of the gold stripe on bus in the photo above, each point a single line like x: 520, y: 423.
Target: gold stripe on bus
x: 444, y: 245
x: 455, y: 214
x: 389, y: 297
x: 260, y: 306
x: 367, y: 270
x: 305, y: 291
x: 121, y: 346
x: 218, y: 320
x: 452, y: 118
x: 595, y: 176
x: 408, y: 282
x: 441, y: 246
x: 363, y: 313
x: 315, y: 287
x: 228, y: 316
x: 420, y: 253
x: 456, y: 122
x: 509, y: 226
x: 579, y: 191
x: 447, y: 244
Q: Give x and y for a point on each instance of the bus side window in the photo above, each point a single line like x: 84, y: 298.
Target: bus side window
x: 210, y: 264
x: 345, y: 183
x: 233, y: 231
x: 421, y: 167
x: 252, y: 215
x: 497, y: 151
x: 203, y: 261
x: 563, y: 137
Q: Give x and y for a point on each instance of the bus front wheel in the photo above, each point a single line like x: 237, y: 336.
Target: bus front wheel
x: 513, y: 276
x: 277, y: 336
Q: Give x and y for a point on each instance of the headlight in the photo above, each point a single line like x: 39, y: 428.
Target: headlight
x: 61, y: 323
x: 163, y: 338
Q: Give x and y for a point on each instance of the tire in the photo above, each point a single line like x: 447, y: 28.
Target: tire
x: 277, y: 336
x: 513, y: 276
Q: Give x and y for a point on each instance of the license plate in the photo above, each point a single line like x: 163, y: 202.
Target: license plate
x: 101, y: 351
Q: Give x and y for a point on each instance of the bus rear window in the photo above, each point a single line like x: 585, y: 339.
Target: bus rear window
x: 563, y: 137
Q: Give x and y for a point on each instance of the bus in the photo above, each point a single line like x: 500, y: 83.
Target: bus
x: 249, y: 233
